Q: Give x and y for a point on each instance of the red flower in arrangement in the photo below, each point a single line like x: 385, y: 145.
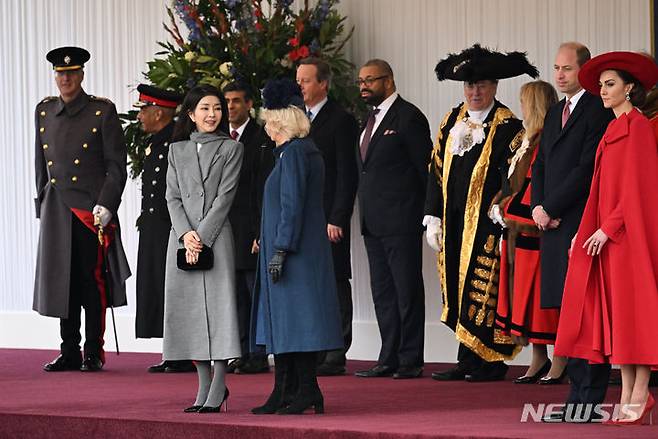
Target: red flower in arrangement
x: 303, y: 52
x: 258, y: 13
x: 258, y: 26
x: 294, y: 42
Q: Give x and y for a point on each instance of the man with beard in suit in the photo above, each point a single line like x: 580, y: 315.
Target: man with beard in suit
x: 561, y: 179
x: 334, y: 131
x: 394, y: 150
x: 245, y: 214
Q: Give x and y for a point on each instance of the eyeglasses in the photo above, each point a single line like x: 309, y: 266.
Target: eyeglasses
x: 369, y: 81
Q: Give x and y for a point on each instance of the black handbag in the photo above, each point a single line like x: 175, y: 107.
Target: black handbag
x: 205, y: 262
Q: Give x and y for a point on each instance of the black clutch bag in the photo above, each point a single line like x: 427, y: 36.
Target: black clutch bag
x: 205, y: 262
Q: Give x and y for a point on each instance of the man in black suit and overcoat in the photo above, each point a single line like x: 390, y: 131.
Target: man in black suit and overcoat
x: 561, y: 178
x: 334, y: 132
x: 245, y: 213
x: 394, y: 151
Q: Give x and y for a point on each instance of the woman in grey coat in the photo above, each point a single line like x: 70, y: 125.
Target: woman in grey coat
x: 200, y: 321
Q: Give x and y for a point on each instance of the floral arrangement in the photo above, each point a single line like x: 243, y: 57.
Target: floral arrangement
x: 218, y: 41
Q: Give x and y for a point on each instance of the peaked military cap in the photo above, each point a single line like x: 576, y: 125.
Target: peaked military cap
x: 478, y: 63
x: 68, y: 58
x: 150, y: 95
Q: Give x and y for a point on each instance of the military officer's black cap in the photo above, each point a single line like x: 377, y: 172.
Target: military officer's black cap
x: 478, y: 63
x: 68, y: 58
x: 150, y: 95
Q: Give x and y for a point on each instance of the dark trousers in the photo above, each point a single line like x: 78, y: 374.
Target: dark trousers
x: 244, y: 287
x: 589, y: 382
x: 337, y: 357
x: 84, y: 292
x: 396, y: 281
x: 471, y: 362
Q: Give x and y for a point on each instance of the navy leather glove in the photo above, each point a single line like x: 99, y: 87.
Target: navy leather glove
x: 275, y: 267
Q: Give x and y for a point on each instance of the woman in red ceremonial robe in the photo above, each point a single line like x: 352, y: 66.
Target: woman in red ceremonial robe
x: 610, y: 307
x: 518, y: 310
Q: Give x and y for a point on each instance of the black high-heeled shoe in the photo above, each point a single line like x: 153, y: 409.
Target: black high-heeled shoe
x: 224, y: 402
x: 552, y: 381
x: 192, y: 409
x: 525, y: 379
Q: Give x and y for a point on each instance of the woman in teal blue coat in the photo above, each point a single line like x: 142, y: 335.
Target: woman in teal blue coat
x: 295, y: 312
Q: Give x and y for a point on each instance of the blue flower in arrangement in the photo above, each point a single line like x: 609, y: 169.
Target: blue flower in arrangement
x: 314, y: 47
x: 231, y: 4
x: 321, y: 13
x: 218, y: 41
x: 181, y: 8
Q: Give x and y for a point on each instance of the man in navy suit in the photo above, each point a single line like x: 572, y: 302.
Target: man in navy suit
x: 334, y: 132
x: 561, y: 178
x: 394, y: 151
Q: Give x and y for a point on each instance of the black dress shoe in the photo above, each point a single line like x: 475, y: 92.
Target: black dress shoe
x: 62, y: 363
x: 376, y: 372
x: 457, y: 373
x: 180, y: 366
x: 91, y: 363
x: 406, y: 372
x: 488, y: 372
x: 158, y: 368
x: 531, y: 379
x: 552, y: 381
x: 234, y: 364
x: 329, y: 370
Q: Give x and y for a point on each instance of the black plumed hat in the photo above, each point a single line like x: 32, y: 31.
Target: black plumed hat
x: 478, y: 63
x: 281, y: 93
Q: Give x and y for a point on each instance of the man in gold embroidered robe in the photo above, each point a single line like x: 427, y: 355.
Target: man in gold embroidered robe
x: 475, y: 141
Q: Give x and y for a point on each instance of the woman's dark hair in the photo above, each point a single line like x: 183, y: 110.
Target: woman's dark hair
x: 185, y: 126
x: 638, y: 94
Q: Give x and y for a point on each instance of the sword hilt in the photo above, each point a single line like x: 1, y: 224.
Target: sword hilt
x: 97, y: 223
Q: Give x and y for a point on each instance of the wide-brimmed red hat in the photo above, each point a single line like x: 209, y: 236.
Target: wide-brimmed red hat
x: 642, y: 67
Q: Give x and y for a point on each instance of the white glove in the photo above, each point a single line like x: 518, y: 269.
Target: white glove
x: 496, y: 216
x: 104, y: 213
x: 433, y: 234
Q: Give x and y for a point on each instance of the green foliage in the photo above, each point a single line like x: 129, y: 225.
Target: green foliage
x: 247, y: 40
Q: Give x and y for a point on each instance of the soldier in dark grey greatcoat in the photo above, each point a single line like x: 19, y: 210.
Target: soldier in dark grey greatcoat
x: 80, y: 164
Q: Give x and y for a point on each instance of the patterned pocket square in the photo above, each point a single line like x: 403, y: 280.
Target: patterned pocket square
x: 390, y: 132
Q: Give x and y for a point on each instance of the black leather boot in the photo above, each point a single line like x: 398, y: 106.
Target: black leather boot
x: 309, y: 394
x: 278, y: 396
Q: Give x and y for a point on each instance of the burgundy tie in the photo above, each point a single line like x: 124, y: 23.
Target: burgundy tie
x: 234, y: 135
x: 565, y: 113
x: 368, y: 133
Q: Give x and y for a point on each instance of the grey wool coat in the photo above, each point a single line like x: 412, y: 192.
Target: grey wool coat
x: 200, y: 313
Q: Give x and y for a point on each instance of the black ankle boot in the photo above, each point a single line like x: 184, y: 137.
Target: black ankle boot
x: 309, y: 394
x: 277, y: 398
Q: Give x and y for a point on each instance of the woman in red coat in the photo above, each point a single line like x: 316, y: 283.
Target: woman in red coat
x: 610, y: 307
x: 518, y: 310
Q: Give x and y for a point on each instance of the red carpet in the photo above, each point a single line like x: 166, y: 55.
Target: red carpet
x: 125, y: 401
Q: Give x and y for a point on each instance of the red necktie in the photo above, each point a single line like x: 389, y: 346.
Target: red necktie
x: 368, y: 133
x: 565, y: 113
x: 234, y: 135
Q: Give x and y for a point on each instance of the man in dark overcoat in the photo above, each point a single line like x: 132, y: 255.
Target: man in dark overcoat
x: 561, y: 178
x: 334, y: 132
x: 157, y: 109
x: 80, y: 167
x: 257, y: 162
